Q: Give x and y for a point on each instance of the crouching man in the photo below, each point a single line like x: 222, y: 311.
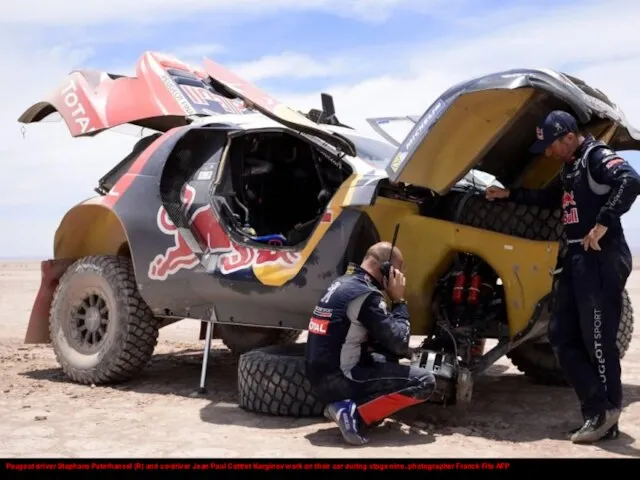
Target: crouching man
x: 362, y: 387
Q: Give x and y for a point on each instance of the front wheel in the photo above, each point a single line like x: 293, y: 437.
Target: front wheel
x: 101, y: 329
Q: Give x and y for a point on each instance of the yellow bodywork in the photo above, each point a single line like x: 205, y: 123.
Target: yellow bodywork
x: 89, y: 228
x: 462, y: 135
x: 428, y: 246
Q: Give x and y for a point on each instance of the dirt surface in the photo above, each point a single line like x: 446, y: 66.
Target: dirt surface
x: 159, y: 413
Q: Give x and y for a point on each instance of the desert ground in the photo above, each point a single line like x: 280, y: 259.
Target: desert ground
x: 159, y: 414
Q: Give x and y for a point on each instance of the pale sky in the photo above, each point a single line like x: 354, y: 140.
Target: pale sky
x: 377, y: 58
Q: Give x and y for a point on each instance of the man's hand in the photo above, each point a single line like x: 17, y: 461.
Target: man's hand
x: 395, y: 285
x: 497, y: 192
x: 593, y: 237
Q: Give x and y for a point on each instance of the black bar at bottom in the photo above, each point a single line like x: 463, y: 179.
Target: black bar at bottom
x: 333, y: 465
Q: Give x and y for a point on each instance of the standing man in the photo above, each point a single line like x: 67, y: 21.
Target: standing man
x: 354, y: 344
x: 595, y: 188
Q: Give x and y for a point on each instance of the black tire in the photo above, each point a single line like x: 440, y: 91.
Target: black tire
x: 240, y: 339
x: 537, y: 360
x: 530, y: 222
x: 272, y: 380
x: 129, y: 335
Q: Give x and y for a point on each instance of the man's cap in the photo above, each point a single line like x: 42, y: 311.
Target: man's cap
x: 555, y: 125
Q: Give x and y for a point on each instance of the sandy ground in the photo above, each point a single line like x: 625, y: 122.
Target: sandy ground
x: 159, y: 414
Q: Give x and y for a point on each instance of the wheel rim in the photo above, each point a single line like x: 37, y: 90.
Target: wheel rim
x: 89, y: 322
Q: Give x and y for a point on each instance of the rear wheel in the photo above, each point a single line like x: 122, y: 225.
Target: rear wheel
x: 101, y: 329
x: 240, y: 339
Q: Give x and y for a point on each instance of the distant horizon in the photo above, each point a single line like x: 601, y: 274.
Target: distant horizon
x: 635, y: 252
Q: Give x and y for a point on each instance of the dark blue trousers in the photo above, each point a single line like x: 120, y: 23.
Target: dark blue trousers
x: 585, y: 321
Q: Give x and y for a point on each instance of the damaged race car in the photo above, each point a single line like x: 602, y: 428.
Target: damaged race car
x: 239, y: 211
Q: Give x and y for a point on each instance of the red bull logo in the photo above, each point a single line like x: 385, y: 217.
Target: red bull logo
x: 205, y: 225
x: 568, y: 200
x: 569, y: 209
x: 179, y: 255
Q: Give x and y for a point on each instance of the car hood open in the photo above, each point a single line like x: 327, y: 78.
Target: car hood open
x: 488, y: 123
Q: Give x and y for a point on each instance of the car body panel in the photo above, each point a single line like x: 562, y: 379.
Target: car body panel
x: 164, y: 92
x: 454, y: 133
x: 525, y: 266
x: 272, y: 108
x: 188, y: 265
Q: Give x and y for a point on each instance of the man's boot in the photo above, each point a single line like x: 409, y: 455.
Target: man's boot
x: 612, y: 434
x: 597, y: 427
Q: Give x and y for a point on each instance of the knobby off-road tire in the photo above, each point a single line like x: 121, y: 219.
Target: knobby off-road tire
x: 534, y: 359
x: 99, y: 294
x: 240, y: 339
x: 272, y: 380
x: 530, y: 222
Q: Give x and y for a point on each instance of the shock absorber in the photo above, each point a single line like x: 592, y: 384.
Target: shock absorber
x: 459, y: 287
x: 474, y: 288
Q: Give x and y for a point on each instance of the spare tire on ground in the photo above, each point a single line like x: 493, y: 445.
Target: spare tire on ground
x: 272, y: 380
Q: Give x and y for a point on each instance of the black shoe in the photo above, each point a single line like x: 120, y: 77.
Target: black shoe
x: 596, y: 427
x: 612, y: 434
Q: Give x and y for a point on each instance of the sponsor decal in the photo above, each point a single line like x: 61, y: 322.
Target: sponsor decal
x: 612, y: 163
x: 78, y: 111
x: 569, y: 209
x: 231, y: 257
x: 397, y: 161
x: 425, y: 123
x: 204, y: 97
x: 597, y: 345
x: 383, y: 306
x: 332, y: 288
x: 318, y: 326
x: 418, y: 132
x: 179, y: 255
x: 177, y: 94
x: 322, y: 312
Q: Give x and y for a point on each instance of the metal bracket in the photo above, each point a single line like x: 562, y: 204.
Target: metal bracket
x: 205, y: 358
x: 207, y: 351
x: 464, y: 386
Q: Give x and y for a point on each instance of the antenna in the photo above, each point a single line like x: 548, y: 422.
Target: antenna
x: 385, y: 268
x: 393, y: 241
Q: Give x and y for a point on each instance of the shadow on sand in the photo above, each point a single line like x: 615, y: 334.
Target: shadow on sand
x: 505, y: 407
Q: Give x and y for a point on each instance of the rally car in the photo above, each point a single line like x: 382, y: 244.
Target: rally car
x: 238, y: 211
